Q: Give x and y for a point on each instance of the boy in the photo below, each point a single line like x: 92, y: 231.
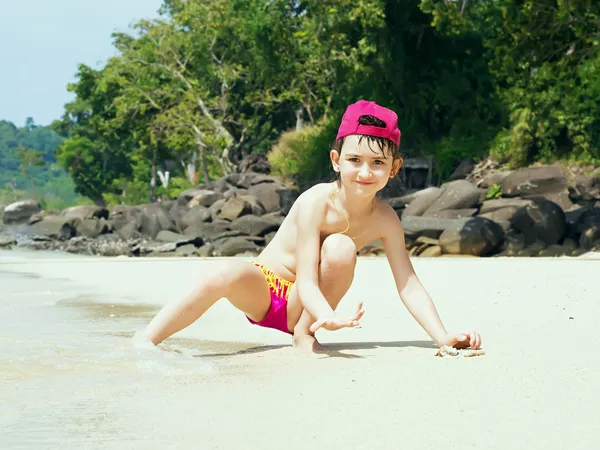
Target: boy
x: 297, y: 281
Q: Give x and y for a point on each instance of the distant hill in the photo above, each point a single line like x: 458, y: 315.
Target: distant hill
x: 28, y: 166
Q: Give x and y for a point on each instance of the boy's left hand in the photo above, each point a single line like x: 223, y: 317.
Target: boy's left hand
x: 468, y: 339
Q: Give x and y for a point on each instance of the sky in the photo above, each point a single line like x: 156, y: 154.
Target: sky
x: 42, y: 43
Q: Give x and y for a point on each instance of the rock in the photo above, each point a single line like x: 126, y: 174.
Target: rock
x: 407, y: 197
x: 258, y: 163
x: 41, y: 243
x: 534, y: 180
x: 287, y: 198
x: 526, y: 252
x: 254, y: 226
x: 111, y: 245
x: 431, y: 252
x: 211, y: 231
x: 221, y: 185
x: 514, y: 241
x: 37, y: 217
x: 579, y: 252
x: 121, y: 215
x: 274, y: 217
x: 154, y: 219
x: 53, y: 227
x: 146, y: 248
x: 500, y: 203
x: 257, y: 208
x: 422, y: 202
x: 167, y: 205
x: 235, y: 179
x: 205, y: 251
x: 560, y: 198
x: 454, y: 213
x: 538, y: 246
x: 541, y: 219
x: 569, y: 244
x: 85, y: 212
x: 235, y: 246
x: 179, y: 239
x: 176, y: 212
x: 204, y: 198
x: 464, y: 168
x: 233, y: 208
x: 170, y: 236
x: 19, y: 212
x: 427, y: 240
x: 533, y: 249
x: 80, y: 245
x: 186, y: 195
x: 129, y: 231
x: 268, y: 195
x: 504, y: 224
x: 252, y: 179
x: 235, y: 192
x: 427, y: 226
x: 215, y: 209
x: 7, y: 241
x: 589, y: 216
x: 589, y: 235
x: 195, y: 215
x: 554, y: 250
x: 502, y: 214
x: 459, y: 194
x: 269, y: 237
x: 477, y: 236
x: 231, y: 234
x: 493, y: 178
x: 586, y: 187
x: 91, y: 228
x: 186, y: 250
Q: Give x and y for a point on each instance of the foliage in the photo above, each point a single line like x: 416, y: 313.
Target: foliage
x: 494, y: 191
x: 544, y: 57
x: 28, y: 167
x: 302, y: 156
x: 211, y: 81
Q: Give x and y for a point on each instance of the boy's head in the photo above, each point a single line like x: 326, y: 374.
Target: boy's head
x: 367, y: 146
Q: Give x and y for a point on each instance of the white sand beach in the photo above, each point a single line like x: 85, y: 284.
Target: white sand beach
x: 69, y: 377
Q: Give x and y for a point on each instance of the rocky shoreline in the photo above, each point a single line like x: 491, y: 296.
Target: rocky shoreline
x: 535, y: 211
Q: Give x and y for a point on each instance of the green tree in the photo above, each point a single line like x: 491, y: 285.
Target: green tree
x: 544, y: 56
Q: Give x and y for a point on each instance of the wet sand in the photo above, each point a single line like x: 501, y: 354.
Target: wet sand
x: 69, y: 377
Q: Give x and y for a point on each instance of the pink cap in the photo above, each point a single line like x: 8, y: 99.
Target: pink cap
x: 350, y: 123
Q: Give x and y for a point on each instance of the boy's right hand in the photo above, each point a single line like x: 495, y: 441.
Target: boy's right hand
x: 333, y: 322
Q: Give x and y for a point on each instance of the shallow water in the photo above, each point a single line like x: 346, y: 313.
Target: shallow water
x: 69, y: 373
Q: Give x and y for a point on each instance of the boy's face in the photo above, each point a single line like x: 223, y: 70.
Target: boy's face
x: 364, y: 168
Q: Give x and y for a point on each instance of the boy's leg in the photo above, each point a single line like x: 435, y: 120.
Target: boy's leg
x: 242, y: 283
x: 336, y: 272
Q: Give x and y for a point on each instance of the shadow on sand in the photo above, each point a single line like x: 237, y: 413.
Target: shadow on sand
x: 331, y: 350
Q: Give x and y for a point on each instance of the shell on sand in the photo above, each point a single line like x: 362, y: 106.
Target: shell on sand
x: 448, y: 351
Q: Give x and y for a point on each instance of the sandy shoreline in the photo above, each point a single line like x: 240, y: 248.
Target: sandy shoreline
x: 70, y: 380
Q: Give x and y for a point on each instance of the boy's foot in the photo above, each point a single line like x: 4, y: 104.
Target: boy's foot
x: 141, y: 342
x: 307, y: 342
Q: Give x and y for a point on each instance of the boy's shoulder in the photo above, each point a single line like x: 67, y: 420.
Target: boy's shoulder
x: 387, y: 218
x: 315, y: 192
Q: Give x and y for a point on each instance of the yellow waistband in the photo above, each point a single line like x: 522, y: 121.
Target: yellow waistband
x: 279, y: 285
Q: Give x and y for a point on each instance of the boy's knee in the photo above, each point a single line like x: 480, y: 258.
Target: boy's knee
x: 338, y: 250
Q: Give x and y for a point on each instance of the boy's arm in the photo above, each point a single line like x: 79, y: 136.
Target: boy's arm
x: 310, y: 216
x: 413, y: 294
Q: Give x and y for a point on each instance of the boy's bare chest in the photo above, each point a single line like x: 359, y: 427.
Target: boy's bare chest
x: 360, y: 230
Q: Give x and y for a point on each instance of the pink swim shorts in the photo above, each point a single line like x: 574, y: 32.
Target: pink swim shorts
x: 279, y: 289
